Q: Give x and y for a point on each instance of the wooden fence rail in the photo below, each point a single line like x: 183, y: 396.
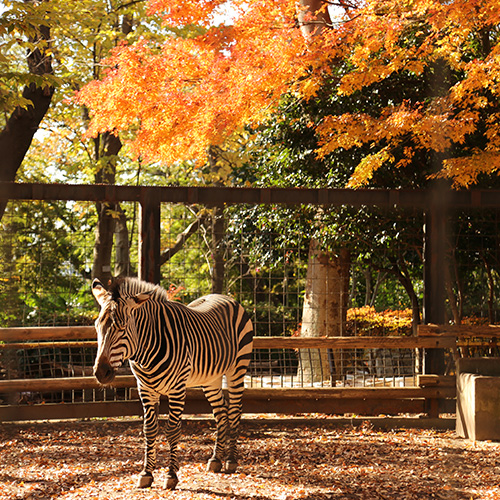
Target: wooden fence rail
x: 16, y: 338
x: 432, y: 394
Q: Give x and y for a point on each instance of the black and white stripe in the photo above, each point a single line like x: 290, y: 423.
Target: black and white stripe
x: 172, y: 347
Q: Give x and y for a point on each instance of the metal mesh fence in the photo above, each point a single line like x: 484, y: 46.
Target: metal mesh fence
x: 261, y: 255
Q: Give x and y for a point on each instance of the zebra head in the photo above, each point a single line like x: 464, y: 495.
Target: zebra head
x: 115, y: 339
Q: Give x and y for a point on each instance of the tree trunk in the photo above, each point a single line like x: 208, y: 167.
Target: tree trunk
x: 452, y: 299
x: 107, y: 147
x: 110, y: 216
x: 217, y: 227
x: 327, y: 280
x: 380, y: 280
x: 491, y: 288
x: 368, y: 280
x: 16, y: 137
x: 313, y: 16
x: 123, y: 266
x: 218, y: 230
x: 181, y: 239
x: 325, y: 309
x: 103, y: 246
x: 403, y: 275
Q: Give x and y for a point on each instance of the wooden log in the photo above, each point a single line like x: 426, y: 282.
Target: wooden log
x: 78, y: 383
x: 437, y: 381
x: 71, y: 344
x: 459, y: 330
x: 18, y: 334
x: 76, y: 333
x: 354, y: 342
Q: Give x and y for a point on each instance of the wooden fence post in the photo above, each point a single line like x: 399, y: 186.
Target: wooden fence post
x: 149, y: 238
x: 436, y: 224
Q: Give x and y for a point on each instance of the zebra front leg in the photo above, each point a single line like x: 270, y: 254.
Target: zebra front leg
x: 151, y: 409
x: 216, y: 399
x: 175, y: 408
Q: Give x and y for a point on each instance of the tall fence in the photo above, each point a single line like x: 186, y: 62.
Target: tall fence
x: 254, y: 244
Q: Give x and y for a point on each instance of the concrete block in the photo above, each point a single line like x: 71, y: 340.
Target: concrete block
x: 478, y: 398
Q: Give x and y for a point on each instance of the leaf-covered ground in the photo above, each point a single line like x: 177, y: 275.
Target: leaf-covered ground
x: 101, y: 459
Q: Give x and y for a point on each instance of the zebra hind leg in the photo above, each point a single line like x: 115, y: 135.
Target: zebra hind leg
x: 236, y: 386
x: 216, y: 399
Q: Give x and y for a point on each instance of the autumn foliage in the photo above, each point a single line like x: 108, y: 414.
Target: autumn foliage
x: 367, y: 321
x: 208, y: 80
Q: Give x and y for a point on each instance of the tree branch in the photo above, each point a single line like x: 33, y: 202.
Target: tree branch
x: 181, y: 240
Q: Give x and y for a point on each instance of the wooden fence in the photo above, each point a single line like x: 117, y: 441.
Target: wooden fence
x: 431, y: 395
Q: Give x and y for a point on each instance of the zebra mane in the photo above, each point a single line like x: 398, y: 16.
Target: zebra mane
x: 126, y: 287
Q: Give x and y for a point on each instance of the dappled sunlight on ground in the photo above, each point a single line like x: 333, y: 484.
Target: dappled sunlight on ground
x: 101, y: 459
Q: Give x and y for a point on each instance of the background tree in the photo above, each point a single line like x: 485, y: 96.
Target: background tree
x: 26, y: 25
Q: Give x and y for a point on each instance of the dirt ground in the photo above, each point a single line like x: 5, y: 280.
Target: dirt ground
x: 100, y: 459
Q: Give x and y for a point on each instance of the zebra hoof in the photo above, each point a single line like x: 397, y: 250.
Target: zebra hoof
x: 231, y: 466
x: 145, y: 480
x: 171, y: 481
x: 214, y: 465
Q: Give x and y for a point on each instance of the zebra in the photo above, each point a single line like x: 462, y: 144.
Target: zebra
x: 170, y: 347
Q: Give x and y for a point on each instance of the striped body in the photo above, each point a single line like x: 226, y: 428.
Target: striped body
x: 171, y: 347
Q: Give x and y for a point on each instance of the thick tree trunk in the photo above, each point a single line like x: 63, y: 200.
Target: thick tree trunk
x: 16, y: 137
x: 110, y: 216
x: 325, y: 309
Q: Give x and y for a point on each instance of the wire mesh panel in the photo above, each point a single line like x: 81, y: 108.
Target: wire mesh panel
x: 300, y: 271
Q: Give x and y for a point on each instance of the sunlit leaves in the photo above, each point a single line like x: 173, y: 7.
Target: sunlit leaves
x: 453, y: 46
x: 195, y: 90
x: 191, y: 93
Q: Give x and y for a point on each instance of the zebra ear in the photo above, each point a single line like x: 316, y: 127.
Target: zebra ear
x: 99, y: 292
x: 140, y: 298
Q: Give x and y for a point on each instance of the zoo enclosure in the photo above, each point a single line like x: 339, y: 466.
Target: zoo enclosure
x: 435, y: 204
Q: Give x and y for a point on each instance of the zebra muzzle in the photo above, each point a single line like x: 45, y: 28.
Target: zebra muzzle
x: 104, y: 372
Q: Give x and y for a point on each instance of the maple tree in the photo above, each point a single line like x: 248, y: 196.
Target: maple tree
x: 187, y: 94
